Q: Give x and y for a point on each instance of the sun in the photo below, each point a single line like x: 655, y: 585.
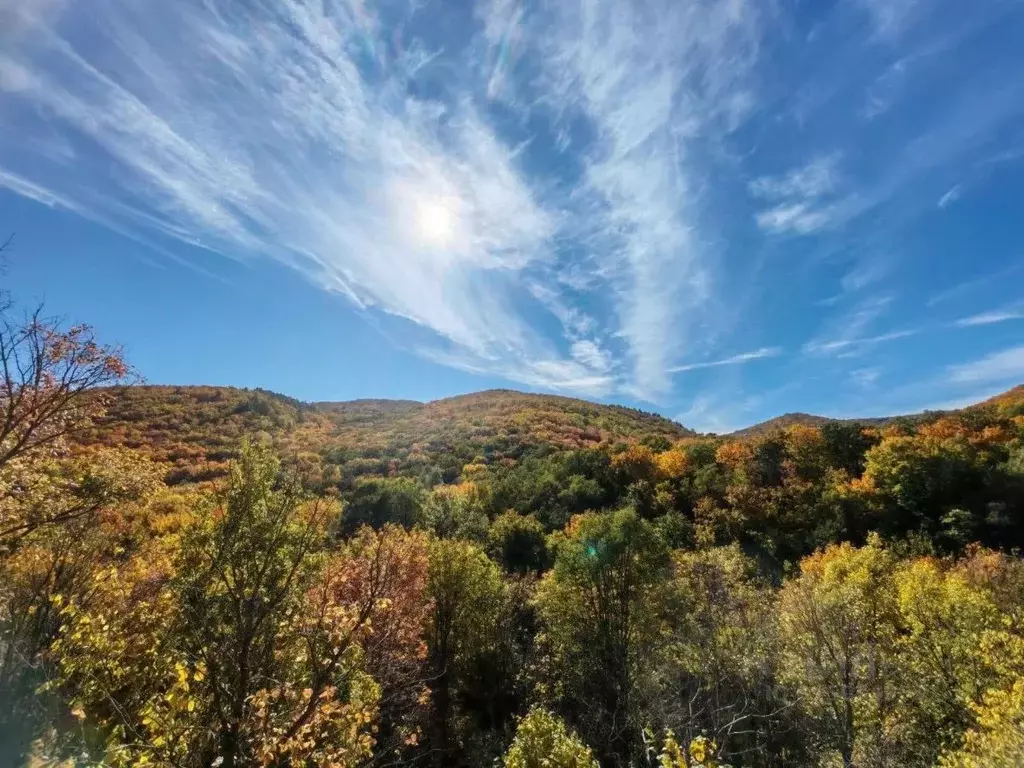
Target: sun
x: 436, y: 221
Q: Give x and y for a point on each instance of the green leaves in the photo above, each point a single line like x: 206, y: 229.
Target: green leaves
x: 543, y: 741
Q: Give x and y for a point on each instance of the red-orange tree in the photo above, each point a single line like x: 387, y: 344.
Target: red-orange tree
x: 46, y: 377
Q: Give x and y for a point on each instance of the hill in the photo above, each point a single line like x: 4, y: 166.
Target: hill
x: 197, y: 429
x: 805, y: 420
x: 1011, y: 401
x: 472, y: 554
x: 781, y: 422
x: 1008, y: 403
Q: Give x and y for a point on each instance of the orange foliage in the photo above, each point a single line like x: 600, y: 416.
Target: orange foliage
x: 734, y: 454
x: 637, y: 462
x: 942, y: 429
x: 49, y: 378
x: 384, y: 573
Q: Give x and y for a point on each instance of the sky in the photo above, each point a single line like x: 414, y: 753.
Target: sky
x: 719, y: 210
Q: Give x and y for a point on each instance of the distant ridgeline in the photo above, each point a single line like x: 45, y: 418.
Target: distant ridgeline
x: 781, y: 488
x: 197, y: 429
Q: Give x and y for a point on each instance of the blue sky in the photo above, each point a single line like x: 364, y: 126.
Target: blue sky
x: 721, y: 210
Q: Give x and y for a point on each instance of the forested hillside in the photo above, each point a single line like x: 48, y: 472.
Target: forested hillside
x: 810, y: 420
x: 197, y: 429
x: 200, y: 576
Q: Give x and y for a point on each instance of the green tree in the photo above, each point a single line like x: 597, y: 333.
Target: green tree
x: 605, y: 607
x: 518, y: 542
x: 379, y: 501
x: 456, y: 511
x: 543, y: 741
x: 720, y: 670
x: 846, y: 443
x: 922, y: 479
x: 466, y: 593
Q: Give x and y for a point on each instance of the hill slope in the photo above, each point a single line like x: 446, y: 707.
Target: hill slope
x: 803, y: 419
x: 1009, y: 402
x: 197, y: 429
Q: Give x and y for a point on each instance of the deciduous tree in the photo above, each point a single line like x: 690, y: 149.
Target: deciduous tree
x: 839, y: 627
x: 543, y: 741
x: 47, y: 378
x: 605, y: 607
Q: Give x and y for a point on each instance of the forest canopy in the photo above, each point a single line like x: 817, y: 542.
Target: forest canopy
x: 200, y: 576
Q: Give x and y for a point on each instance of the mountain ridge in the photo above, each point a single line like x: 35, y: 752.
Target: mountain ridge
x: 482, y: 399
x: 1010, y: 398
x: 197, y: 429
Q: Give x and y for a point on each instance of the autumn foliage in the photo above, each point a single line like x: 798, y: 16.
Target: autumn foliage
x: 218, y: 577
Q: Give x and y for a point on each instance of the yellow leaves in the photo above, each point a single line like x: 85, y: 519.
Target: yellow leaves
x: 945, y: 619
x: 473, y: 469
x: 701, y: 753
x: 997, y: 740
x: 671, y: 755
x: 673, y: 463
x: 701, y: 749
x: 543, y: 741
x: 926, y: 633
x: 463, y: 490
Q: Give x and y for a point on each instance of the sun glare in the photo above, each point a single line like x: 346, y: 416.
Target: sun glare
x: 435, y: 222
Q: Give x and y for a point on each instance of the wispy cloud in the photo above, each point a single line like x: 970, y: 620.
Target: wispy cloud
x: 951, y: 196
x: 839, y: 345
x: 975, y: 285
x: 554, y: 374
x: 866, y: 378
x: 990, y: 318
x: 589, y: 354
x: 863, y: 275
x: 344, y: 144
x: 713, y: 414
x: 1007, y: 366
x: 745, y: 357
x: 849, y: 329
x: 198, y: 166
x: 291, y: 136
x: 583, y: 195
x: 799, y: 201
x: 882, y: 94
x: 651, y: 81
x: 889, y: 17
